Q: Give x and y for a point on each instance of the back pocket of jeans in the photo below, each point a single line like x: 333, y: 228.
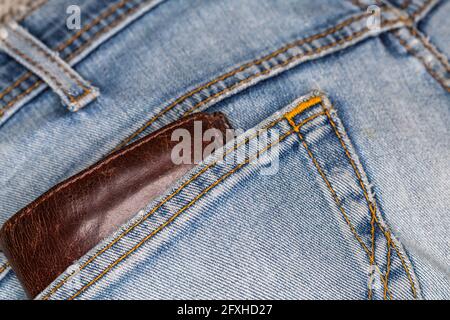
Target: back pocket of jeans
x: 283, y: 211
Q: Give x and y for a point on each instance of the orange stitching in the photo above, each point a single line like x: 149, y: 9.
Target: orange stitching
x: 43, y: 70
x: 35, y: 64
x: 388, y: 265
x: 69, y: 72
x: 30, y: 89
x: 372, y: 230
x: 172, y: 218
x: 244, y: 81
x: 413, y: 52
x: 4, y: 267
x: 107, y: 13
x: 169, y: 197
x: 63, y: 46
x: 318, y: 50
x: 372, y: 207
x: 235, y: 71
x: 338, y: 202
x: 125, y: 232
x: 421, y: 9
x: 24, y: 77
x: 433, y: 50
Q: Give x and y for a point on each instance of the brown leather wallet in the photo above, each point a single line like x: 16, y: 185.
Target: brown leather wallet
x: 43, y: 239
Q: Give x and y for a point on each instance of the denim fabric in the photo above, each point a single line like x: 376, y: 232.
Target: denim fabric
x: 360, y: 212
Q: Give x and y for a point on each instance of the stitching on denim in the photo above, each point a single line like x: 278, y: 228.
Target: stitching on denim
x: 363, y: 188
x: 11, y: 223
x: 108, y: 12
x: 413, y: 52
x: 413, y: 15
x: 338, y: 202
x: 242, y: 82
x: 35, y: 64
x: 372, y: 206
x: 388, y: 264
x: 68, y: 72
x: 168, y: 198
x: 15, y: 84
x: 432, y: 49
x: 4, y: 267
x: 283, y: 64
x: 74, y: 100
x: 27, y: 91
x: 37, y: 83
x: 145, y: 217
x: 173, y: 217
x: 419, y: 11
x: 20, y: 12
x: 237, y: 70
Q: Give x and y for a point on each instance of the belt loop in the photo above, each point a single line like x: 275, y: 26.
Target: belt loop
x: 74, y: 91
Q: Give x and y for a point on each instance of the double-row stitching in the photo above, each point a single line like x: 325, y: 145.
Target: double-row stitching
x: 431, y: 48
x: 68, y: 72
x: 430, y: 70
x: 370, y: 254
x: 35, y: 64
x: 422, y: 8
x: 61, y: 47
x: 22, y: 12
x: 173, y: 217
x: 108, y: 12
x: 405, y: 4
x: 168, y: 198
x: 249, y: 79
x: 373, y: 210
x: 236, y: 71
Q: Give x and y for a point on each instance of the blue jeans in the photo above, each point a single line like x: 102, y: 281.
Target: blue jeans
x: 357, y: 92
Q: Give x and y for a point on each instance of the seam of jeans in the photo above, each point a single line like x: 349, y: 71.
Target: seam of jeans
x: 198, y: 197
x: 173, y: 217
x: 338, y: 203
x: 44, y: 71
x: 372, y: 206
x: 4, y: 267
x: 68, y: 73
x: 431, y: 48
x: 35, y: 64
x: 388, y: 264
x: 170, y: 196
x: 405, y: 5
x: 440, y: 79
x: 250, y: 78
x: 105, y: 14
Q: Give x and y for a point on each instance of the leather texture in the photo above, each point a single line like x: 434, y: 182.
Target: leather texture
x: 43, y: 239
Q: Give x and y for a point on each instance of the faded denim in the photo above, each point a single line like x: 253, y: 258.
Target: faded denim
x: 359, y: 207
